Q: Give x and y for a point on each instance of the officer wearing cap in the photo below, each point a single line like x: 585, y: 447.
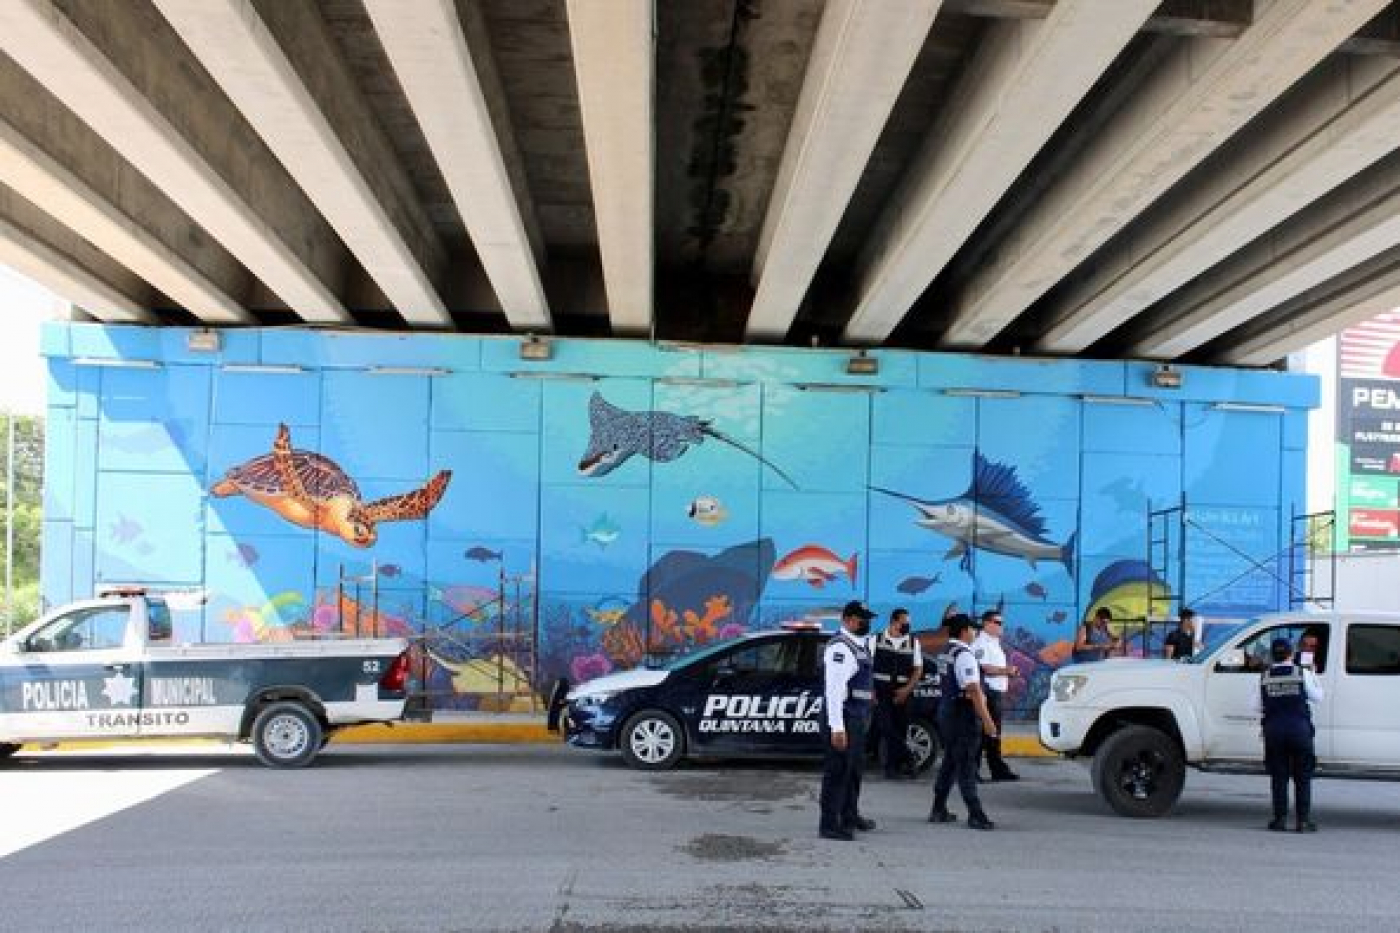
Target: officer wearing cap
x: 848, y: 674
x: 963, y: 717
x: 1285, y: 692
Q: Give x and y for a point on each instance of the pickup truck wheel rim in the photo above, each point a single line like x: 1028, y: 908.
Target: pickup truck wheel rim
x: 287, y: 736
x: 652, y: 741
x: 1141, y: 773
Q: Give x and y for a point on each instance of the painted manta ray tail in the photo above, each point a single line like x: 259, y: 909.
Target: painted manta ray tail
x: 706, y: 429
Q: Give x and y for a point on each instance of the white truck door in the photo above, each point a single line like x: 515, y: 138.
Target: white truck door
x: 76, y: 676
x: 1366, y: 684
x: 1232, y: 731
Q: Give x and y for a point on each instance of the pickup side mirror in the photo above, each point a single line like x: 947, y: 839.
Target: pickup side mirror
x: 1232, y: 660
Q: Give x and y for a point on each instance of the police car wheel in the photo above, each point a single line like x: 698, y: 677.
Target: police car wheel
x: 1139, y: 771
x: 652, y: 741
x: 923, y: 745
x: 7, y: 749
x: 286, y: 735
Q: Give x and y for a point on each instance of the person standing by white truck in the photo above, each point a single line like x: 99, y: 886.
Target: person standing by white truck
x: 107, y: 668
x: 1143, y: 721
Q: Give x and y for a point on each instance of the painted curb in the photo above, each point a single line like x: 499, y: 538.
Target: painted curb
x: 482, y: 733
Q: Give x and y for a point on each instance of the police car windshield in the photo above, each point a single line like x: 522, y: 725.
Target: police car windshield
x: 700, y: 654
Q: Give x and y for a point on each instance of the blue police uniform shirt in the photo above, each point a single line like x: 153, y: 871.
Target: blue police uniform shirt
x: 1285, y: 691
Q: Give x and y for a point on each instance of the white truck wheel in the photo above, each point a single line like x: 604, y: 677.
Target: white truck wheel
x: 286, y: 735
x: 1139, y: 771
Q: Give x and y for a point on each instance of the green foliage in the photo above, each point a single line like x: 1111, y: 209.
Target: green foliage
x: 27, y: 491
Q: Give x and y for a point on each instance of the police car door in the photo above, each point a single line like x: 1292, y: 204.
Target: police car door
x: 755, y: 698
x: 75, y: 675
x: 1232, y: 683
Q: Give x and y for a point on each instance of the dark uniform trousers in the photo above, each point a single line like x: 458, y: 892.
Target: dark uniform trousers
x: 962, y: 744
x: 995, y: 763
x: 892, y: 729
x: 841, y: 775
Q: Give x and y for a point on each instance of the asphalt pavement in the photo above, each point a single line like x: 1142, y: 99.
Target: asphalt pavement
x: 544, y: 837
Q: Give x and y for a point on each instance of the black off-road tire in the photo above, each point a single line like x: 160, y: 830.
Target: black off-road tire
x: 286, y: 735
x: 652, y: 740
x: 1139, y: 771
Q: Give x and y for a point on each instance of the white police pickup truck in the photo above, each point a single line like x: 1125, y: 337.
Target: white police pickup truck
x: 1144, y: 721
x: 107, y: 669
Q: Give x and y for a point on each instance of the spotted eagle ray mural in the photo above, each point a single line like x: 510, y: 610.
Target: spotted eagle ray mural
x: 995, y: 514
x: 312, y: 491
x: 619, y: 435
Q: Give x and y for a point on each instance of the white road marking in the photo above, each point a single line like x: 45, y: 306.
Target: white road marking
x: 38, y: 803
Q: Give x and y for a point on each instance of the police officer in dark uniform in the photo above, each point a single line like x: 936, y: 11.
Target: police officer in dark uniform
x: 899, y: 663
x: 1285, y: 690
x: 963, y: 718
x: 848, y: 674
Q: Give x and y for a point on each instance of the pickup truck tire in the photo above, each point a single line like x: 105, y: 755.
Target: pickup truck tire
x: 652, y: 741
x: 1139, y: 771
x: 923, y: 744
x: 286, y: 735
x: 7, y: 749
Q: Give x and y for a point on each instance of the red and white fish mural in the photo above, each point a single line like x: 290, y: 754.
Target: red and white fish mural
x: 816, y: 565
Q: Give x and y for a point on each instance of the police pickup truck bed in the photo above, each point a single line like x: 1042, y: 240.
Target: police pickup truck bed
x: 107, y: 669
x: 1144, y: 721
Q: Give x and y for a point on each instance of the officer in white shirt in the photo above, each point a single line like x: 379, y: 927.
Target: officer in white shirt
x: 849, y: 690
x: 996, y: 676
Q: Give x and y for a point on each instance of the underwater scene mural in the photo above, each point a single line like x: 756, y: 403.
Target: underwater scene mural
x: 626, y: 502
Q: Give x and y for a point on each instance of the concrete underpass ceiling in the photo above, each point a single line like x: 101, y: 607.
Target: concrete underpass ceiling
x: 1198, y: 180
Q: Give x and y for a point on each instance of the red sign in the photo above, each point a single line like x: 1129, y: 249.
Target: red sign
x: 1375, y: 523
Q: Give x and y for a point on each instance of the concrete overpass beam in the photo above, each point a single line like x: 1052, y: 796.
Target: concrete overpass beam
x: 365, y: 196
x: 1343, y: 124
x: 862, y: 56
x: 1200, y: 98
x: 40, y: 179
x: 1352, y: 297
x: 446, y: 87
x: 1347, y: 228
x: 46, y: 44
x: 33, y: 255
x: 614, y: 48
x: 1023, y: 84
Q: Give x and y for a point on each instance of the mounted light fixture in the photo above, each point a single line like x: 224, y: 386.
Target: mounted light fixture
x: 114, y: 362
x: 1165, y: 376
x: 408, y: 371
x: 862, y: 364
x: 203, y: 340
x: 535, y: 348
x: 1249, y: 406
x: 284, y: 369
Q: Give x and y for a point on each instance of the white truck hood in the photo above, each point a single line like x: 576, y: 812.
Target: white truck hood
x: 622, y: 680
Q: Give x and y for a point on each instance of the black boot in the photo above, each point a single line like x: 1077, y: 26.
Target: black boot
x: 940, y: 814
x: 979, y: 821
x: 1278, y: 824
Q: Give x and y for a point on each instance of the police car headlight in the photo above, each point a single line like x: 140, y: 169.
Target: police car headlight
x: 1066, y: 687
x: 593, y: 699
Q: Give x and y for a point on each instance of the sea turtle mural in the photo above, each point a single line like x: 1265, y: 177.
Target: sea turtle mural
x: 312, y: 491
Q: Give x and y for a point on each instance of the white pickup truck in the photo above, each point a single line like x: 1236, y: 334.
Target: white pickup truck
x: 108, y: 669
x: 1144, y: 721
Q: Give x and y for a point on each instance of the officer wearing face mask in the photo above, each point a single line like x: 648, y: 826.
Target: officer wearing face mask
x: 898, y: 663
x: 848, y: 674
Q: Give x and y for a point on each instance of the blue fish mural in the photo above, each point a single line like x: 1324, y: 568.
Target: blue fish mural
x: 618, y: 435
x: 995, y: 514
x: 916, y: 585
x: 602, y: 532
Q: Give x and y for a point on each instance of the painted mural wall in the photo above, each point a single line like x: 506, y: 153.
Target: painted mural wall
x: 627, y: 498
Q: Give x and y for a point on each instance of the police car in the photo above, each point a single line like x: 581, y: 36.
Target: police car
x: 757, y: 695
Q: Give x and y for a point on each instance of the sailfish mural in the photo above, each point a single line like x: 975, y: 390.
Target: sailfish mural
x: 618, y: 435
x: 995, y: 514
